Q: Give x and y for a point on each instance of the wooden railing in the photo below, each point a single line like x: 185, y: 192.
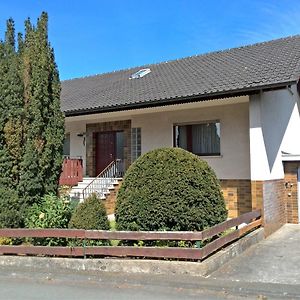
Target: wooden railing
x: 217, y: 234
x: 72, y: 171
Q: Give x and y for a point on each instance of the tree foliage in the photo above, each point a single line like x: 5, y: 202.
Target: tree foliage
x: 31, y: 122
x: 169, y: 189
x: 12, y: 209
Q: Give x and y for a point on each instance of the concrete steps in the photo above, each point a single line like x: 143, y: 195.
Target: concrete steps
x: 106, y: 185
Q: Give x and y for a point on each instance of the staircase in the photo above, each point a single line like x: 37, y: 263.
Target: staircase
x: 101, y: 185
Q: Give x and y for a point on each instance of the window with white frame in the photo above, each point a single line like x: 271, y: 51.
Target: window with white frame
x: 199, y: 138
x: 136, y: 146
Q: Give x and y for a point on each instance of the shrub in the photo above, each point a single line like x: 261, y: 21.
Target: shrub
x: 90, y: 214
x: 169, y: 189
x: 5, y: 241
x: 51, y: 212
x: 12, y: 209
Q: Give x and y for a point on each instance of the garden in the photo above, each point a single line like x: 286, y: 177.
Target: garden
x: 169, y: 198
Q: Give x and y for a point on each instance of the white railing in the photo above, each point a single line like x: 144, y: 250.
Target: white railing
x: 100, y: 185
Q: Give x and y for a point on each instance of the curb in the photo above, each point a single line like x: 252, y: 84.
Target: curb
x: 142, y: 266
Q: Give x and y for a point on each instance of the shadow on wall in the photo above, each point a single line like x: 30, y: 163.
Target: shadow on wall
x: 276, y: 110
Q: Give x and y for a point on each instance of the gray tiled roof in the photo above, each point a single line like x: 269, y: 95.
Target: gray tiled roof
x: 218, y: 73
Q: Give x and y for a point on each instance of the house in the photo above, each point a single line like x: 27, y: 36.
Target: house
x: 238, y: 109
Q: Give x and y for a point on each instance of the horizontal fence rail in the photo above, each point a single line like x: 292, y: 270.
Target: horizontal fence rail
x: 242, y: 225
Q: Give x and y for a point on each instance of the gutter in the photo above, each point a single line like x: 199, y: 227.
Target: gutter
x: 180, y: 100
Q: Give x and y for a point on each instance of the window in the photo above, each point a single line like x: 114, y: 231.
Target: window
x: 201, y: 139
x: 135, y: 143
x: 66, y: 148
x: 139, y: 74
x: 120, y: 145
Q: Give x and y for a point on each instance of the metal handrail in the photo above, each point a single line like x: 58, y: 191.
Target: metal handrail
x: 100, y: 184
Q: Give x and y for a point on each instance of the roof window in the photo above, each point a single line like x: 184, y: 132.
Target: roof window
x: 139, y: 74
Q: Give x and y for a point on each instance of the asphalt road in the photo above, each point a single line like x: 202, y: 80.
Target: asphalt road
x: 25, y: 284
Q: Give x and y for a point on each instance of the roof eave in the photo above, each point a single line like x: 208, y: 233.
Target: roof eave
x: 180, y: 100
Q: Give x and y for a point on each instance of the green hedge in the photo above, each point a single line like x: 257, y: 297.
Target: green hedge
x: 169, y: 189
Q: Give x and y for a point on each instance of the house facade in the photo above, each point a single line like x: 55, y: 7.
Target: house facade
x: 238, y: 109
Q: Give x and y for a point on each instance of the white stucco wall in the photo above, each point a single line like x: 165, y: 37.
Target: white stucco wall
x: 291, y: 140
x: 157, y: 130
x: 77, y: 143
x: 274, y: 127
x: 234, y: 163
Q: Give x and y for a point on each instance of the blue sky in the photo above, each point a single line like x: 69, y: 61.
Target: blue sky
x: 97, y: 36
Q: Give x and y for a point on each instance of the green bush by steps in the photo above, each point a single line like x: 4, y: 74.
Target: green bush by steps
x: 90, y: 214
x: 169, y: 189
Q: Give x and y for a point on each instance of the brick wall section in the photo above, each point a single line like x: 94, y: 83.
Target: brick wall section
x: 291, y: 191
x: 237, y: 195
x: 274, y: 205
x: 269, y: 197
x: 124, y: 126
x: 110, y: 201
x: 257, y: 194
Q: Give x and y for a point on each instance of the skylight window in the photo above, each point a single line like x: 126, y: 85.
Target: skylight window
x: 139, y: 74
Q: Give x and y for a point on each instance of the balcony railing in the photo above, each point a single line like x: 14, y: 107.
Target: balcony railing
x: 72, y: 171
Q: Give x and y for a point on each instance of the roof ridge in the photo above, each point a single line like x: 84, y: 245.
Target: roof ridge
x: 185, y: 58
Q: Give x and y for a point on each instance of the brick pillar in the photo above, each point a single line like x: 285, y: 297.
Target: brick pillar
x: 291, y: 190
x: 269, y: 197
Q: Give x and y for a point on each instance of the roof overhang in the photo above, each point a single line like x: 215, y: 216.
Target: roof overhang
x: 181, y: 100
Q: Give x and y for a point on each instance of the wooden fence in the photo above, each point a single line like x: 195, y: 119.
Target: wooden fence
x: 249, y: 221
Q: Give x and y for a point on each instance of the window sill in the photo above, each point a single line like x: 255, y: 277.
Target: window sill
x: 211, y: 156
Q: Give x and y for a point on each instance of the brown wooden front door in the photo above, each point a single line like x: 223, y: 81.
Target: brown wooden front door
x: 105, y: 150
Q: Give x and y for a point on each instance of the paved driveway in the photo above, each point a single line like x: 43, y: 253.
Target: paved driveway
x: 274, y: 260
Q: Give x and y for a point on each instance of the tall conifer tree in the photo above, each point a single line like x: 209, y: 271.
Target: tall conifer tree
x: 11, y: 139
x: 42, y: 159
x: 31, y: 123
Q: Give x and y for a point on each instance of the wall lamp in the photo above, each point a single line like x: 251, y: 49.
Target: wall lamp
x: 82, y: 134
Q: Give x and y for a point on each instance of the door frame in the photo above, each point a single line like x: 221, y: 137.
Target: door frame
x: 96, y: 147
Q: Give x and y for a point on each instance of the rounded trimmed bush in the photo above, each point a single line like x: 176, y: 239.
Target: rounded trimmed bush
x: 90, y: 214
x: 169, y: 189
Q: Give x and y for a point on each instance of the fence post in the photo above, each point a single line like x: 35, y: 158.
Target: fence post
x: 84, y: 248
